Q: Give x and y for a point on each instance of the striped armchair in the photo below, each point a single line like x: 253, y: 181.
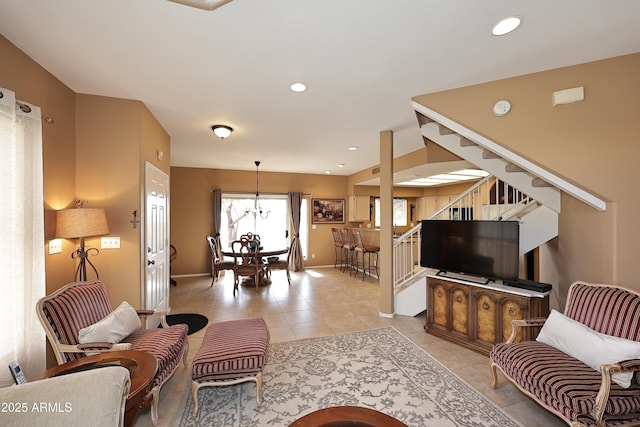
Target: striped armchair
x: 564, y: 385
x: 78, y: 305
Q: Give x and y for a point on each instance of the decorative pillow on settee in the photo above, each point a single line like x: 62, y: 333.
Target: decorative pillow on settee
x: 117, y: 325
x: 590, y: 347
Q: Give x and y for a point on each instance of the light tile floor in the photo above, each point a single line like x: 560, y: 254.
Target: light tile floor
x: 324, y: 301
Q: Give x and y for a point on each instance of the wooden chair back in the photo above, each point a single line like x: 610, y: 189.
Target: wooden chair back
x: 217, y: 263
x: 246, y: 257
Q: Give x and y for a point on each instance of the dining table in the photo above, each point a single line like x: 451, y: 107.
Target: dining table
x: 262, y: 254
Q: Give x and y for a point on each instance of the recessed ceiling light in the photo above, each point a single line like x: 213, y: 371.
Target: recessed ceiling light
x: 328, y: 172
x: 352, y: 148
x: 298, y: 87
x: 506, y: 25
x: 341, y: 165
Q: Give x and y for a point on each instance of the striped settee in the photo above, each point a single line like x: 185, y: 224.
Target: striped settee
x: 81, y: 304
x: 564, y: 385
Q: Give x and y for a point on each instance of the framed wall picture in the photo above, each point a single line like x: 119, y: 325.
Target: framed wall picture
x: 328, y: 211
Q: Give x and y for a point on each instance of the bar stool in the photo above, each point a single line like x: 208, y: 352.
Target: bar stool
x: 361, y: 249
x: 347, y: 249
x: 338, y: 246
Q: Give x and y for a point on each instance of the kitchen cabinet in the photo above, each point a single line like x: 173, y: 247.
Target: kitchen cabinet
x: 359, y: 208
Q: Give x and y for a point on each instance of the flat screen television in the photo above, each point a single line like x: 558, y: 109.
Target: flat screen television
x: 486, y: 249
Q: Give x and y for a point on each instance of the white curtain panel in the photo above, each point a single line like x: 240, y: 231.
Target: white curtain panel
x: 22, y: 236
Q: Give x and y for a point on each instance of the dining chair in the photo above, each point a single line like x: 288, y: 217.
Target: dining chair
x: 173, y: 254
x: 217, y: 263
x: 279, y: 263
x: 253, y: 238
x: 246, y: 258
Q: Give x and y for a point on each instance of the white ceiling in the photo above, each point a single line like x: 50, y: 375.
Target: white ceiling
x: 363, y: 60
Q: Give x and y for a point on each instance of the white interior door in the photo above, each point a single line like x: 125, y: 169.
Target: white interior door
x: 156, y: 291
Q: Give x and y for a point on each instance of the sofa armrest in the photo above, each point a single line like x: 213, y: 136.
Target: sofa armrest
x: 95, y: 397
x: 524, y: 323
x: 93, y: 347
x: 162, y: 314
x: 632, y: 365
x: 96, y: 346
x: 143, y: 313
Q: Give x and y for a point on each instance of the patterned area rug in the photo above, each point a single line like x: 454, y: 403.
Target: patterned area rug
x: 379, y: 369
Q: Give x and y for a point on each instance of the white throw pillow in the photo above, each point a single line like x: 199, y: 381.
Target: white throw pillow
x: 590, y: 347
x: 120, y: 323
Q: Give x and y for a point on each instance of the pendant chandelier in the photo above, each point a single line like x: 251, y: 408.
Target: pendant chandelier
x: 257, y: 208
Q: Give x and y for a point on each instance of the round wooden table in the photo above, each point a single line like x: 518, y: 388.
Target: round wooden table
x: 347, y: 416
x: 264, y: 280
x: 142, y: 368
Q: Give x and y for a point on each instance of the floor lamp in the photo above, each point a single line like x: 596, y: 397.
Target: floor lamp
x: 81, y: 223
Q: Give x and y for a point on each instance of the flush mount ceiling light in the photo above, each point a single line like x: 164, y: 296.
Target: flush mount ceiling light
x: 352, y: 148
x: 506, y: 25
x: 222, y: 131
x: 203, y: 4
x: 298, y: 87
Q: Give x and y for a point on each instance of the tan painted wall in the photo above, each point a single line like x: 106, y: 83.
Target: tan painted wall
x: 108, y: 132
x: 591, y: 143
x: 114, y: 139
x: 192, y: 209
x: 34, y: 84
x: 94, y: 150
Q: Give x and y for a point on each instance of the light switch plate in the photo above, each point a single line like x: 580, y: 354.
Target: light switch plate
x: 110, y: 242
x: 55, y: 246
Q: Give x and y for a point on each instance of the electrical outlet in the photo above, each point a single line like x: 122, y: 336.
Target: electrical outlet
x: 110, y: 243
x: 55, y: 246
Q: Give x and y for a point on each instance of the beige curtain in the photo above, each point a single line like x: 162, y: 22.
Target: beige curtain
x: 22, y: 229
x: 295, y: 261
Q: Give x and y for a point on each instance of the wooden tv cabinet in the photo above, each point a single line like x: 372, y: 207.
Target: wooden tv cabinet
x: 477, y: 316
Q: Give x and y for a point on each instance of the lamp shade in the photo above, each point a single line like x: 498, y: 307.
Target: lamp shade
x: 82, y: 222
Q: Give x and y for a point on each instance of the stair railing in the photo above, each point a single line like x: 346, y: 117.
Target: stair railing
x: 488, y: 199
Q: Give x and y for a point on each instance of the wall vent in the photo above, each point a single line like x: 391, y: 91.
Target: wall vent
x: 375, y: 170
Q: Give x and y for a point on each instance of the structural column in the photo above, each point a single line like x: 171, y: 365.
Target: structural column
x: 386, y: 224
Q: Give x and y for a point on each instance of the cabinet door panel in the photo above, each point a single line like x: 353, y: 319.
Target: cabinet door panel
x: 440, y: 305
x: 511, y: 310
x: 486, y: 318
x: 460, y: 311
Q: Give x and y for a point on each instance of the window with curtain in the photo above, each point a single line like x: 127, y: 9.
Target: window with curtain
x: 238, y: 218
x: 22, y: 230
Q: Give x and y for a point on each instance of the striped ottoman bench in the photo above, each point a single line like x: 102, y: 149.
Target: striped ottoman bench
x: 232, y: 352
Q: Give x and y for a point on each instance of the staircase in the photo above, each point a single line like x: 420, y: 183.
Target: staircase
x: 516, y: 189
